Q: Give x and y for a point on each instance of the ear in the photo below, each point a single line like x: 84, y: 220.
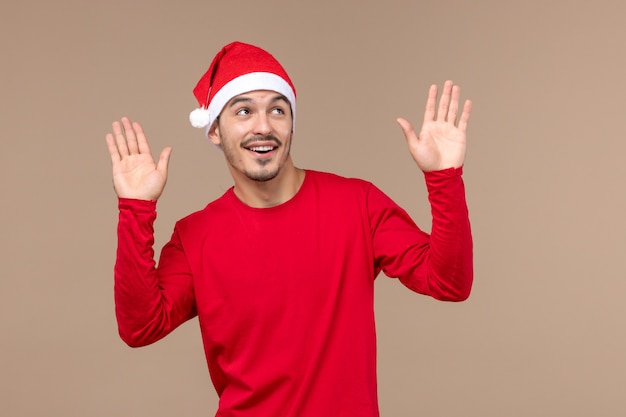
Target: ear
x: 214, y: 134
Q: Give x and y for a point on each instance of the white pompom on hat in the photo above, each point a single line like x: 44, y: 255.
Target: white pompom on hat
x: 236, y: 69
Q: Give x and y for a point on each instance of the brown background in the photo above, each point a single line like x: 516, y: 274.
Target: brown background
x: 543, y: 333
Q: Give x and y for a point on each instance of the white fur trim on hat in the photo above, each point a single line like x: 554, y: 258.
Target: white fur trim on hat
x: 246, y: 83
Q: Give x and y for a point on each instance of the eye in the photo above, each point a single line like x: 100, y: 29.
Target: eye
x: 243, y: 112
x: 278, y: 110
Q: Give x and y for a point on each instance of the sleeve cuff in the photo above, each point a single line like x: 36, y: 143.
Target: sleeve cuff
x: 444, y: 173
x: 136, y: 204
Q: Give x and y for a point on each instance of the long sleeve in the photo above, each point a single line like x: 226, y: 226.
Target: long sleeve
x: 150, y: 302
x: 439, y: 264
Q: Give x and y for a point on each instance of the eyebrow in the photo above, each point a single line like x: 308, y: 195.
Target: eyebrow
x: 244, y: 98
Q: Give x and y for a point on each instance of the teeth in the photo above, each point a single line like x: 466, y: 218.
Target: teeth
x: 262, y: 148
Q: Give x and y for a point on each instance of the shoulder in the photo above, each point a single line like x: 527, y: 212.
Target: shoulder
x: 341, y: 187
x: 333, y: 181
x: 212, y: 210
x: 346, y: 189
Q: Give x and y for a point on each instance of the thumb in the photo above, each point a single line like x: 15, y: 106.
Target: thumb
x: 407, y: 129
x: 164, y: 160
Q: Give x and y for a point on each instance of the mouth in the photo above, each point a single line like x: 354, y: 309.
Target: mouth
x: 261, y: 146
x: 261, y: 149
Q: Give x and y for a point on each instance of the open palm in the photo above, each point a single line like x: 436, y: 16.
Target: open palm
x: 135, y: 173
x: 441, y: 141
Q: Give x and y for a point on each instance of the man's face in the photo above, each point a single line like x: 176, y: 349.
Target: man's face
x: 254, y: 131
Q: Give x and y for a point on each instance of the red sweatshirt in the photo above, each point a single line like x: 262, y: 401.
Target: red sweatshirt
x: 284, y: 295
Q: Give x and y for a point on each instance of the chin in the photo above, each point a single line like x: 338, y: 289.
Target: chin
x: 262, y: 176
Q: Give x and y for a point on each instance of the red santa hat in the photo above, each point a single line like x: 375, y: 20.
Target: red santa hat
x: 236, y: 69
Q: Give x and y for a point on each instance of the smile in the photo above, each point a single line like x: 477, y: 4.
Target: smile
x: 261, y: 149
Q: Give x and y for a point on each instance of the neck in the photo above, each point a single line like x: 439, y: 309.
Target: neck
x: 264, y: 194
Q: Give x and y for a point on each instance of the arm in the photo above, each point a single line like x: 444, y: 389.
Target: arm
x: 451, y: 266
x: 440, y: 265
x: 150, y: 302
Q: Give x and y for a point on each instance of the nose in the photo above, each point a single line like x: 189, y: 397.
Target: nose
x: 262, y: 124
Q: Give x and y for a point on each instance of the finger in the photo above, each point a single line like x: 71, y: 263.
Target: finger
x: 407, y: 129
x: 444, y: 102
x: 454, y: 104
x: 431, y: 102
x: 113, y: 151
x: 142, y: 142
x: 465, y: 115
x: 131, y: 139
x: 164, y: 160
x: 120, y: 140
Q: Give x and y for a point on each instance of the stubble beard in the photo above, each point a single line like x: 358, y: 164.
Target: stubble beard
x: 261, y: 175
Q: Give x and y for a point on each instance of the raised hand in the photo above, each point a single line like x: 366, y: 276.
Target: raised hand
x: 441, y: 142
x: 135, y: 173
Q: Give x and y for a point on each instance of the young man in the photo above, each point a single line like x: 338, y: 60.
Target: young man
x: 280, y: 269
